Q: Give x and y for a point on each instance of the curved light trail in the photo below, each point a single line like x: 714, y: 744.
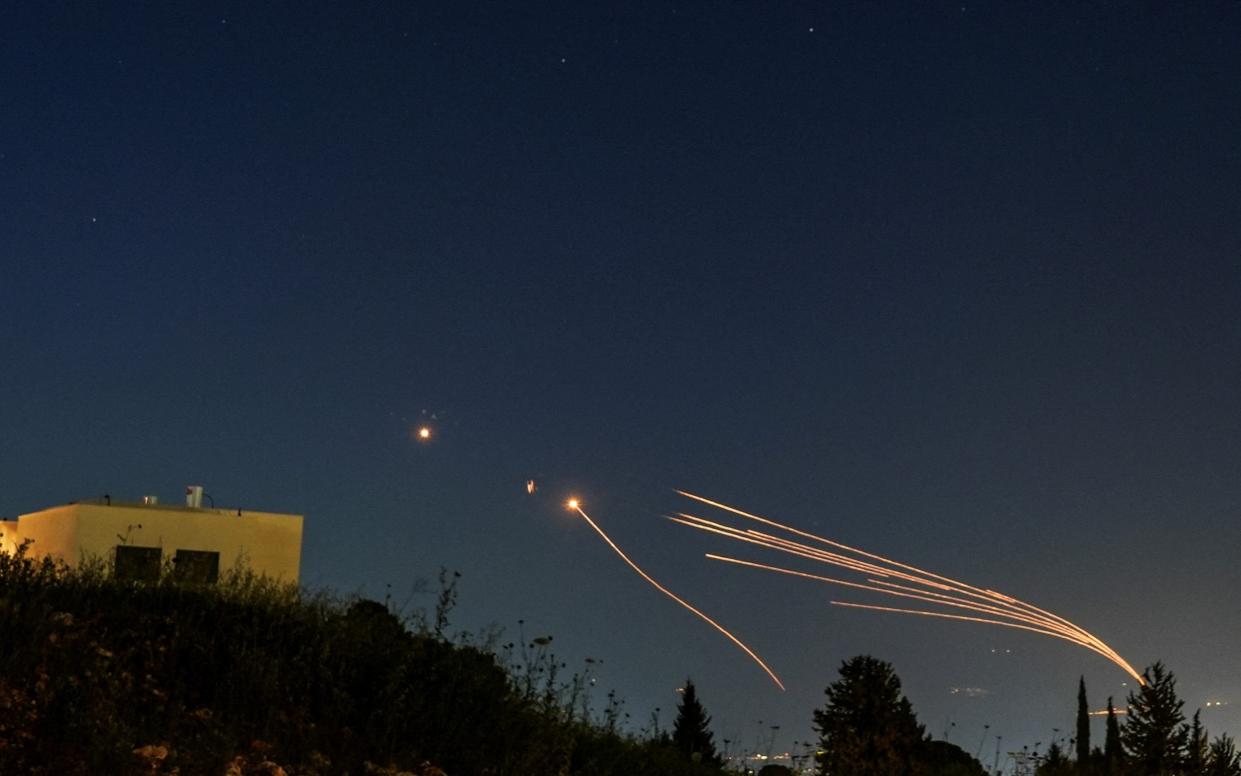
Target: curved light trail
x: 922, y: 585
x: 575, y: 506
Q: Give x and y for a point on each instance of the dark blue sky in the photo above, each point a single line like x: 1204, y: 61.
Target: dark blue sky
x: 957, y: 284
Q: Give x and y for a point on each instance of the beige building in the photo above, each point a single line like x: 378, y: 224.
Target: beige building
x: 140, y: 538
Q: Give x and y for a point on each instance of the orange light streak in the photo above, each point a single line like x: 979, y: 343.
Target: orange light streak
x: 801, y: 550
x: 829, y: 542
x: 1112, y: 653
x: 1016, y: 613
x: 948, y: 600
x: 795, y: 548
x: 574, y: 505
x: 967, y: 618
x: 1001, y: 623
x: 762, y: 540
x: 958, y: 603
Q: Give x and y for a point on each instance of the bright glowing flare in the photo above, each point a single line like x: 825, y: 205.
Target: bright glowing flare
x: 424, y: 433
x: 573, y: 504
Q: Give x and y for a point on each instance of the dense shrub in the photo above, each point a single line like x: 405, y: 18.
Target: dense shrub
x: 248, y: 676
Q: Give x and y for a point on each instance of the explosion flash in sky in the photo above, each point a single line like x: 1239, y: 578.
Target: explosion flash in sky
x: 883, y: 575
x: 575, y: 505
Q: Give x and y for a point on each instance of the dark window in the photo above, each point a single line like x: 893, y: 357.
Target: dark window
x: 196, y: 566
x: 138, y: 564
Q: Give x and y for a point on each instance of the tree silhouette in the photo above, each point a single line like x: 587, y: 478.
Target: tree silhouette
x: 1113, y: 754
x: 691, y: 733
x: 944, y: 759
x: 1223, y: 759
x: 1196, y: 748
x: 867, y: 727
x: 1155, y: 734
x: 1083, y: 727
x: 1056, y: 763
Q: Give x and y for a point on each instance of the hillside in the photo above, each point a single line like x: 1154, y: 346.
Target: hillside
x: 249, y: 677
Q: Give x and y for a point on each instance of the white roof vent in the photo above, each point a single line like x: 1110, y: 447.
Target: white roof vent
x: 150, y: 501
x: 194, y: 496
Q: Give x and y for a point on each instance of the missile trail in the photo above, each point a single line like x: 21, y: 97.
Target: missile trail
x: 921, y: 585
x: 1034, y: 625
x: 955, y: 585
x: 576, y: 507
x: 1044, y: 627
x: 965, y: 618
x: 829, y: 542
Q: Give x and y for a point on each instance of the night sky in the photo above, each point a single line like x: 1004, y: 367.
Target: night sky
x: 953, y: 283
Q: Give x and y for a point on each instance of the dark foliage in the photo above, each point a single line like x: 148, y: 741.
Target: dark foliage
x: 1154, y: 735
x: 1083, y: 726
x: 1223, y: 759
x: 944, y: 759
x: 1113, y: 752
x: 1196, y: 748
x: 1056, y: 763
x: 867, y: 727
x: 102, y: 676
x: 691, y: 732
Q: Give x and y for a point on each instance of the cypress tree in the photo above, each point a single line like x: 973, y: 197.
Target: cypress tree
x: 1113, y: 755
x: 1083, y: 726
x: 691, y: 732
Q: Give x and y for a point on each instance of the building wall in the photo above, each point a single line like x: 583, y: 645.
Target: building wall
x: 52, y: 532
x: 8, y: 536
x: 267, y: 542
